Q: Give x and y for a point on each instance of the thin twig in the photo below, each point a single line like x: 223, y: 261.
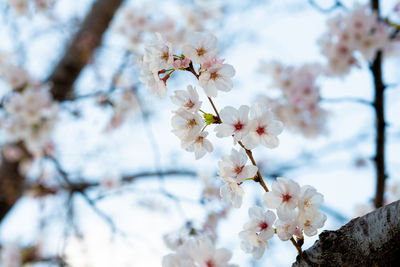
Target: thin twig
x: 299, y: 250
x: 259, y: 178
x: 379, y: 105
x: 334, y: 6
x: 348, y: 99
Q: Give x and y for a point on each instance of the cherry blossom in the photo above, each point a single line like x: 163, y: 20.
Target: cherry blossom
x: 359, y: 30
x: 263, y: 129
x: 198, y: 252
x: 30, y: 117
x: 201, y: 47
x: 309, y: 198
x: 188, y: 99
x: 286, y: 225
x: 257, y: 231
x: 205, y: 254
x: 152, y: 80
x: 234, y: 122
x: 199, y: 145
x: 186, y: 125
x: 232, y: 192
x: 217, y: 77
x: 310, y: 222
x: 284, y: 194
x: 251, y: 244
x: 234, y: 165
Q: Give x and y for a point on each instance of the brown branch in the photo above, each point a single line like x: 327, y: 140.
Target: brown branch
x: 76, y: 56
x: 371, y: 240
x: 11, y: 186
x: 259, y: 178
x: 81, y: 48
x: 379, y: 106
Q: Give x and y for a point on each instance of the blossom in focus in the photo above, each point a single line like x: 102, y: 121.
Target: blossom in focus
x: 234, y: 165
x: 234, y: 122
x: 217, y: 77
x: 284, y: 194
x: 186, y: 125
x: 263, y: 129
x: 200, y: 145
x: 188, y: 100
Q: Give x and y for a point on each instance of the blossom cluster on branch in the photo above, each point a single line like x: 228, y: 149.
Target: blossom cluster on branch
x: 249, y: 127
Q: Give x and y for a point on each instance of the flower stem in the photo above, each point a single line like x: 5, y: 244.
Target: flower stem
x: 259, y: 178
x: 215, y: 110
x: 297, y: 246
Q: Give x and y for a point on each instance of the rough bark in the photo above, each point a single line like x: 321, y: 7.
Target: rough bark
x: 371, y: 240
x: 77, y: 54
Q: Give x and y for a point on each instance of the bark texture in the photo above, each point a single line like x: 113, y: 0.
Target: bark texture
x: 371, y: 240
x: 77, y: 54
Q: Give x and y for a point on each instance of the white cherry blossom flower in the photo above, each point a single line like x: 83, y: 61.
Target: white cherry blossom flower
x: 187, y: 125
x: 263, y: 129
x: 261, y: 222
x: 200, y: 145
x: 252, y: 244
x: 257, y: 231
x: 152, y: 80
x: 311, y: 221
x: 202, y: 47
x: 234, y: 122
x: 309, y: 198
x: 205, y: 254
x: 188, y: 99
x: 286, y: 225
x: 232, y: 192
x: 217, y: 77
x: 181, y: 258
x: 158, y: 54
x: 234, y: 165
x: 284, y: 194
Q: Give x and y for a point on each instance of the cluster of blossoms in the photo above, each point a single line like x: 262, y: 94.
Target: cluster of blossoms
x: 299, y: 105
x: 194, y: 246
x: 249, y: 127
x: 14, y: 76
x: 359, y: 31
x: 198, y: 252
x: 135, y: 24
x: 29, y: 117
x: 24, y: 7
x: 298, y: 214
x: 213, y: 75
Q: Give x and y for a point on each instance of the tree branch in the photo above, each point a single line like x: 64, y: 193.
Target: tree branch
x: 81, y: 48
x: 371, y: 240
x: 379, y: 106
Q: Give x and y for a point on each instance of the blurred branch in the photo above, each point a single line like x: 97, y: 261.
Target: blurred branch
x: 379, y: 105
x: 81, y: 48
x: 335, y: 5
x: 347, y: 99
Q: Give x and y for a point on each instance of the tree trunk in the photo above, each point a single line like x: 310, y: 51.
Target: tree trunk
x: 370, y: 240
